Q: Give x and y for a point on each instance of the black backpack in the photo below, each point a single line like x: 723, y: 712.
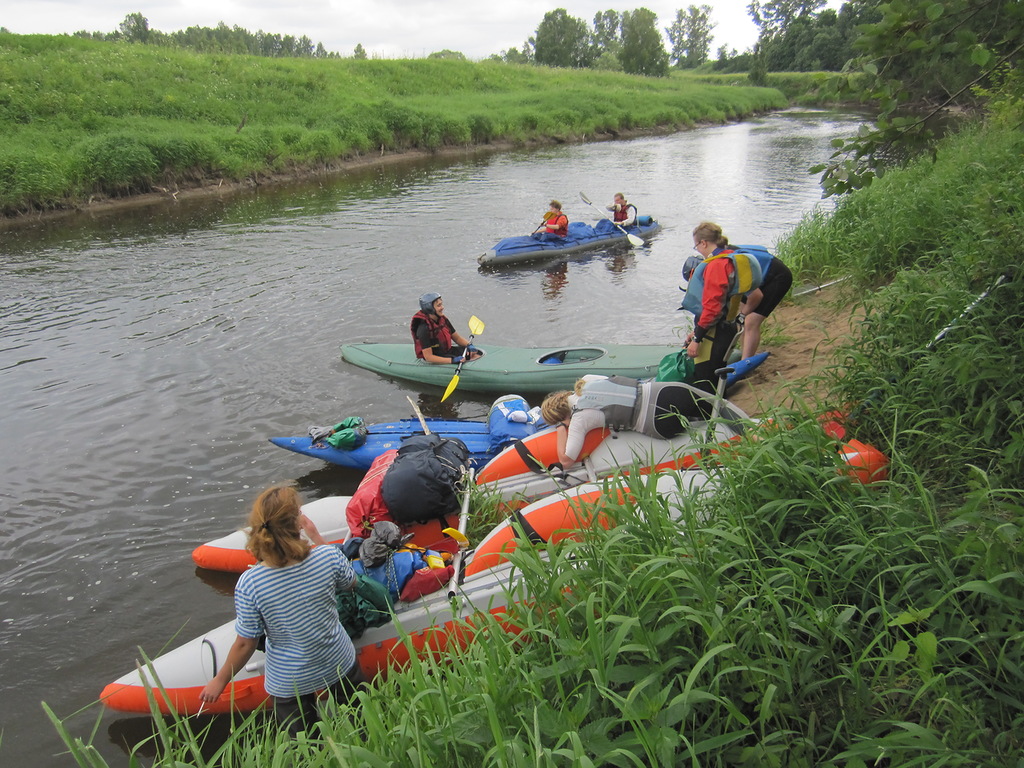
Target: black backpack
x: 424, y: 481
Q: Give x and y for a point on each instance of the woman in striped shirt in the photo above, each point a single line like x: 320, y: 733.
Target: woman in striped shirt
x: 290, y: 597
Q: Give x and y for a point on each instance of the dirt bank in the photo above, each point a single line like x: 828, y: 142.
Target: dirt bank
x: 807, y: 328
x: 168, y: 191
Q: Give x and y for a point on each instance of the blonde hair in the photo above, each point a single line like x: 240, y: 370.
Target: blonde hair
x: 555, y: 407
x: 555, y: 204
x: 274, y: 533
x: 711, y: 232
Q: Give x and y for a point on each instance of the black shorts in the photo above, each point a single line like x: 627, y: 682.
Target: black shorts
x: 295, y: 714
x: 774, y: 288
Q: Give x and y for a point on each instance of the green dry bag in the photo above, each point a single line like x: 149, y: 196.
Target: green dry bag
x: 677, y: 366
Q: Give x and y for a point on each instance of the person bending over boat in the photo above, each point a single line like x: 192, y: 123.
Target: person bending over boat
x: 623, y: 212
x: 653, y: 408
x: 776, y: 280
x: 556, y: 224
x: 716, y: 284
x: 434, y: 336
x: 289, y: 597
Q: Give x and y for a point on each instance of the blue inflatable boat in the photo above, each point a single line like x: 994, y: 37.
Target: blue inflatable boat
x: 581, y: 237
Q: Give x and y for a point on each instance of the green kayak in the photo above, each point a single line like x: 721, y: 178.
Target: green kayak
x: 513, y: 369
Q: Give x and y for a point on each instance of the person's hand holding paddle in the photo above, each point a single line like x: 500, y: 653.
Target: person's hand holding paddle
x: 476, y: 325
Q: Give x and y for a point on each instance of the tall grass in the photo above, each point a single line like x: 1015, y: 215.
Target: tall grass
x: 797, y: 618
x: 922, y: 243
x: 82, y: 117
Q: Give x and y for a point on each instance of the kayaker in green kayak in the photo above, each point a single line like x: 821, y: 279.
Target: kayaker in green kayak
x: 435, y: 338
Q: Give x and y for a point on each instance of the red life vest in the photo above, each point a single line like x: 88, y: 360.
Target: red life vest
x: 557, y: 225
x: 439, y: 330
x: 623, y: 213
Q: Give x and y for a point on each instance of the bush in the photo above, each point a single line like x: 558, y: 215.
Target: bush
x: 29, y: 179
x: 117, y: 163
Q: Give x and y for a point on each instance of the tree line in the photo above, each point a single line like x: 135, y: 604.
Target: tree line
x: 794, y: 36
x: 220, y: 39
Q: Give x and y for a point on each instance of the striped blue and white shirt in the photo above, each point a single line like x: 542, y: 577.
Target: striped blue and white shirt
x: 295, y: 607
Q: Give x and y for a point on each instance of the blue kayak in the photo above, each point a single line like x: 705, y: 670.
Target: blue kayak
x: 581, y: 237
x: 388, y: 435
x: 484, y: 439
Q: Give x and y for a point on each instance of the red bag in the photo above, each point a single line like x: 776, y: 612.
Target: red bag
x: 367, y: 505
x: 424, y: 581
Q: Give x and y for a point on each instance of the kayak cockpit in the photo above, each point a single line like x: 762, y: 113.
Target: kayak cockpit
x: 572, y: 355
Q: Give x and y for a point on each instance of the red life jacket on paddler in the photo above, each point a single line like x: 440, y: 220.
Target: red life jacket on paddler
x: 558, y: 225
x: 439, y: 330
x: 623, y: 213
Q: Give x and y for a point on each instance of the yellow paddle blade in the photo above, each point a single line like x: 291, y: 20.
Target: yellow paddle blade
x: 548, y: 215
x: 451, y: 387
x: 458, y: 535
x: 476, y: 325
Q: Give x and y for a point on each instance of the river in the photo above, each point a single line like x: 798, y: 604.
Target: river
x: 147, y: 355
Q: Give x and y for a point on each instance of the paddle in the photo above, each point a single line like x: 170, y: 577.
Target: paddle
x: 476, y: 325
x: 633, y: 239
x: 419, y: 415
x: 459, y: 534
x: 547, y: 216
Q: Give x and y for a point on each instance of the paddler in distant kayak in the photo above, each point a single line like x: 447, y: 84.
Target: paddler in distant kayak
x: 434, y: 336
x: 556, y: 224
x: 716, y: 285
x: 623, y: 212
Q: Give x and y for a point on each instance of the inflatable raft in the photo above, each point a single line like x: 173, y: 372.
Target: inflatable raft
x: 581, y: 237
x: 558, y: 516
x: 228, y: 553
x: 537, y: 370
x: 519, y: 474
x: 433, y: 624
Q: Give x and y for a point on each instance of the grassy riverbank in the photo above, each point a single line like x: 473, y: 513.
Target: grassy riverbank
x: 83, y: 119
x: 796, y: 618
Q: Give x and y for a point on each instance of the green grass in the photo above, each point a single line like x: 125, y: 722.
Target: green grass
x: 83, y: 118
x: 922, y: 243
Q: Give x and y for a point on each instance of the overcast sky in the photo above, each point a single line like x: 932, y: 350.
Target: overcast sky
x: 387, y: 28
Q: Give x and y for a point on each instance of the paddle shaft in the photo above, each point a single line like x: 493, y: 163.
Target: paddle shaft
x: 463, y: 524
x: 476, y: 326
x: 419, y: 415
